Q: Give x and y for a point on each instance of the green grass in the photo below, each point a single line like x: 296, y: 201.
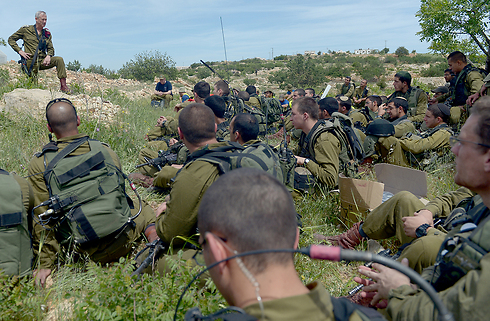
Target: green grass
x: 83, y: 290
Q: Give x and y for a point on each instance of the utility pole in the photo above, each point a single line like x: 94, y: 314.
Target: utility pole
x: 272, y: 53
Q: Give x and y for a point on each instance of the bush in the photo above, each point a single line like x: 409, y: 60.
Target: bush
x: 147, y: 65
x: 74, y: 65
x: 401, y: 51
x: 435, y: 70
x: 300, y: 72
x: 249, y: 82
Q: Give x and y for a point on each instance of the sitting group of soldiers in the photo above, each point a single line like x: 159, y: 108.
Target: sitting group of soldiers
x: 77, y: 194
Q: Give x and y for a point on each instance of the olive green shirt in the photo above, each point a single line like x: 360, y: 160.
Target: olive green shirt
x: 180, y: 217
x: 487, y: 81
x: 315, y: 305
x: 416, y: 145
x: 28, y: 34
x: 169, y: 128
x: 417, y: 106
x: 473, y: 82
x: 347, y: 90
x: 444, y: 204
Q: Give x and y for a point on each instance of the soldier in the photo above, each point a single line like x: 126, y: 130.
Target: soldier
x: 368, y: 113
x: 418, y: 150
x: 17, y: 201
x: 397, y: 114
x: 360, y: 94
x: 319, y: 153
x: 483, y: 91
x: 416, y: 97
x: 183, y: 95
x: 39, y: 50
x: 110, y: 215
x: 460, y: 275
x: 253, y: 100
x: 163, y: 93
x: 218, y: 106
x: 345, y: 105
x: 347, y: 88
x: 328, y: 106
x: 266, y: 286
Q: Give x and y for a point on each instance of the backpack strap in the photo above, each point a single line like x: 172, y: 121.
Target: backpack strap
x: 225, y: 157
x: 343, y: 309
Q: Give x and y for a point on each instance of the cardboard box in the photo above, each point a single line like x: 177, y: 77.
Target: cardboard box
x: 359, y: 197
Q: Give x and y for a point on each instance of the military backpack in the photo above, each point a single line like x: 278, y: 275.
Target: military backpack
x: 15, y: 239
x: 87, y: 193
x: 272, y: 109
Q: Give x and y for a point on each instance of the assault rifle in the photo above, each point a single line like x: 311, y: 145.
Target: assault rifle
x: 164, y: 157
x: 154, y: 248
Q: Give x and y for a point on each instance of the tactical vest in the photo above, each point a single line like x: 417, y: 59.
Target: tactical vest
x: 429, y: 156
x: 412, y: 96
x: 461, y: 93
x: 223, y: 130
x: 465, y: 244
x: 257, y: 155
x: 272, y: 109
x: 15, y: 240
x: 87, y: 192
x: 259, y: 115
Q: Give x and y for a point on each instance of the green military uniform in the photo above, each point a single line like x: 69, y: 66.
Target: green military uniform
x: 417, y: 103
x: 108, y: 248
x: 361, y: 93
x: 407, y: 151
x: 169, y: 128
x: 254, y: 101
x: 324, y: 164
x: 403, y: 126
x: 347, y: 90
x: 20, y: 233
x: 487, y: 81
x: 465, y: 295
x: 31, y: 41
x: 223, y: 131
x: 315, y: 305
x: 385, y: 221
x: 468, y: 82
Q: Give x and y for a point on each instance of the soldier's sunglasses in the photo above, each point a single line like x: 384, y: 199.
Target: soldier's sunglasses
x: 453, y: 140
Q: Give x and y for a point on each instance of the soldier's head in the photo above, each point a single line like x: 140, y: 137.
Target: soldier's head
x: 251, y: 90
x: 373, y: 102
x: 217, y: 105
x: 196, y: 125
x: 262, y: 217
x: 62, y: 118
x: 162, y: 79
x: 345, y: 105
x: 243, y: 128
x: 304, y: 113
x: 437, y: 114
x: 243, y: 95
x: 402, y: 81
x: 448, y: 75
x: 328, y: 106
x: 310, y: 92
x: 439, y: 91
x: 221, y: 88
x: 298, y: 93
x: 269, y: 94
x: 41, y: 19
x: 456, y: 61
x: 347, y: 80
x: 472, y: 149
x: 363, y: 83
x: 397, y: 108
x: 201, y: 91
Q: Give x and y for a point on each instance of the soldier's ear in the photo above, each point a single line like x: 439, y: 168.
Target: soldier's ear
x: 486, y: 165
x: 49, y: 128
x: 78, y: 120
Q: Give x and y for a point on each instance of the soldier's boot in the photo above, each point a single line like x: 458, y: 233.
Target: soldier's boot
x: 347, y: 240
x: 151, y: 233
x: 140, y: 179
x: 63, y: 87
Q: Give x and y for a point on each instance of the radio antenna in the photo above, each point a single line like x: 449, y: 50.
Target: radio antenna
x: 224, y: 44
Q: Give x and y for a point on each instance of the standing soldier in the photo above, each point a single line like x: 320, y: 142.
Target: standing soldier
x: 39, y: 50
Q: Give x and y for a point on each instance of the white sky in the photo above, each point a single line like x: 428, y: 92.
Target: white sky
x: 110, y: 33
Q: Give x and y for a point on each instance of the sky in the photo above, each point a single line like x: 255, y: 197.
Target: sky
x: 110, y: 33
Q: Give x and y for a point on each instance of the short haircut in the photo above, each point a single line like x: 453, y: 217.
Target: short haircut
x: 202, y: 89
x: 440, y: 110
x: 39, y: 13
x: 450, y: 71
x: 482, y: 109
x: 375, y: 98
x: 247, y: 126
x: 251, y: 90
x: 347, y: 104
x: 243, y: 95
x: 268, y: 91
x: 403, y: 78
x: 311, y: 90
x: 61, y: 119
x: 307, y: 105
x: 330, y: 104
x: 196, y: 122
x: 301, y: 92
x: 348, y: 77
x: 262, y: 217
x: 401, y: 102
x: 457, y: 55
x: 217, y: 105
x: 221, y: 84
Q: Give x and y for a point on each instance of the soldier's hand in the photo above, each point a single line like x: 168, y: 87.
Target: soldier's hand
x: 47, y: 61
x: 172, y: 141
x: 411, y: 223
x: 40, y: 276
x: 25, y: 55
x: 300, y: 160
x: 471, y: 99
x: 162, y: 208
x: 160, y: 121
x: 382, y: 110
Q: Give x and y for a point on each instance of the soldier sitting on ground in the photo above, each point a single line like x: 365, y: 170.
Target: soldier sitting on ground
x: 86, y: 196
x: 368, y: 113
x: 360, y: 94
x: 39, y: 49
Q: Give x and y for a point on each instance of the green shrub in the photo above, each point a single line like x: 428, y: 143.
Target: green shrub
x: 435, y: 70
x: 74, y: 65
x: 249, y: 81
x: 148, y: 65
x: 401, y: 51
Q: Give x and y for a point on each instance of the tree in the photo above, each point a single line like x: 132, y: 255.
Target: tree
x: 74, y: 65
x: 148, y: 65
x: 300, y: 72
x: 457, y: 25
x: 385, y: 50
x: 401, y: 51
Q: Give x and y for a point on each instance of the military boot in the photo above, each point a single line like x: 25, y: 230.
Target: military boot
x: 141, y: 180
x: 63, y: 87
x: 347, y: 240
x: 151, y: 233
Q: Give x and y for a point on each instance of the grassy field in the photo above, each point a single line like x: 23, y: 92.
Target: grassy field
x: 84, y: 290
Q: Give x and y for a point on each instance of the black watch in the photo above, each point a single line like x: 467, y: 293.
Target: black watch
x: 422, y: 230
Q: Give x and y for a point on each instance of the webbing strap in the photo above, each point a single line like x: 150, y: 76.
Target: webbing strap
x: 225, y: 156
x: 83, y: 224
x: 10, y: 219
x: 82, y: 169
x: 65, y: 152
x: 3, y: 172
